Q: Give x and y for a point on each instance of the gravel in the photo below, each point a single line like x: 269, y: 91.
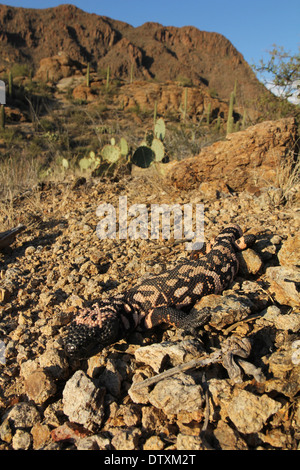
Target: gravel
x: 58, y: 264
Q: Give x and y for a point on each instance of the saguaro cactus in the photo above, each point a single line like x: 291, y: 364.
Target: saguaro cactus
x: 230, y: 120
x: 10, y: 84
x: 155, y: 113
x: 208, y: 113
x: 185, y: 103
x: 131, y: 72
x: 2, y: 117
x: 88, y: 75
x: 107, y: 77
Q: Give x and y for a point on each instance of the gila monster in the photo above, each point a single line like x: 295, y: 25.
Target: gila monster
x: 164, y: 298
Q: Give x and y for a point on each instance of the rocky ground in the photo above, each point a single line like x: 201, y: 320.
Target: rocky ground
x: 58, y: 264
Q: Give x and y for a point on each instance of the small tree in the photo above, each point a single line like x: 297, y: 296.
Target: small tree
x: 281, y: 73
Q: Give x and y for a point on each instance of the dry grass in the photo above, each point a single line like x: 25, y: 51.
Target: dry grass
x: 288, y: 173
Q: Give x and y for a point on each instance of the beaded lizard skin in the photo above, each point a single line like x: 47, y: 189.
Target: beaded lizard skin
x: 164, y: 298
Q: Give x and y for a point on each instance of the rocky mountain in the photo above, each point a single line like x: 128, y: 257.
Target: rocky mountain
x: 149, y: 51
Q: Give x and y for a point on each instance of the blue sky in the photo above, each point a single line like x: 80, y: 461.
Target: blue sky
x: 252, y: 26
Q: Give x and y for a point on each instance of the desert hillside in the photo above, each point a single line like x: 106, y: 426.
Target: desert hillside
x: 154, y: 51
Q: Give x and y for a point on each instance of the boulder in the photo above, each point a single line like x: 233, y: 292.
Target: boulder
x: 289, y: 253
x: 170, y: 97
x: 83, y: 401
x: 57, y: 67
x: 249, y: 412
x: 284, y: 284
x: 179, y: 395
x: 245, y: 160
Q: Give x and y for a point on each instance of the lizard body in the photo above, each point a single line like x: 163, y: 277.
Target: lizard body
x: 164, y: 298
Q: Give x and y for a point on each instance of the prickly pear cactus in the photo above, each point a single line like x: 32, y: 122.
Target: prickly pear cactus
x: 90, y: 162
x: 143, y: 156
x: 105, y: 169
x: 111, y: 153
x: 158, y: 149
x: 65, y: 163
x: 124, y: 147
x: 152, y: 148
x: 160, y: 129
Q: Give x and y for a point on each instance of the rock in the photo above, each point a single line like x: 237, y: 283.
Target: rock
x: 280, y: 363
x: 83, y: 92
x: 245, y: 160
x: 250, y: 412
x: 69, y: 432
x: 213, y: 189
x: 227, y: 438
x: 289, y: 388
x: 87, y: 443
x: 221, y: 394
x: 155, y: 355
x: 225, y: 309
x: 21, y: 440
x: 96, y: 442
x: 265, y: 249
x: 296, y: 352
x: 154, y: 443
x: 111, y: 378
x: 178, y: 394
x: 4, y: 295
x: 297, y: 416
x: 169, y: 97
x: 54, y: 361
x: 258, y: 296
x: 54, y: 415
x: 28, y: 367
x: 273, y: 316
x: 284, y: 284
x: 126, y: 439
x: 6, y: 432
x: 83, y: 401
x: 140, y: 396
x: 152, y: 418
x: 23, y: 415
x: 39, y: 386
x: 250, y: 262
x: 285, y: 371
x: 40, y: 435
x: 57, y: 67
x: 276, y: 438
x: 289, y: 253
x: 158, y: 355
x: 186, y: 442
x: 131, y: 414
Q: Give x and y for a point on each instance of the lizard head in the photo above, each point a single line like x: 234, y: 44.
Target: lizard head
x: 92, y: 329
x: 234, y: 235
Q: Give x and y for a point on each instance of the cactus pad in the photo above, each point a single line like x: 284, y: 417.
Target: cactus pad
x: 111, y: 153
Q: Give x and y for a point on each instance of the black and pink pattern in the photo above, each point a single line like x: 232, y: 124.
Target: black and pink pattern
x: 164, y: 298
